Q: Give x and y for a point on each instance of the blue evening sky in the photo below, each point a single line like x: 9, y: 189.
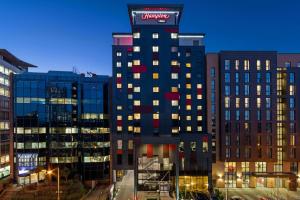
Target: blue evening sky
x: 61, y: 34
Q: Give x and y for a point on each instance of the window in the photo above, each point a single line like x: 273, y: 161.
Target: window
x: 258, y: 102
x: 237, y: 63
x: 227, y: 102
x: 174, y: 76
x: 137, y: 116
x: 119, y: 53
x: 129, y: 85
x: 227, y: 90
x: 292, y: 102
x: 268, y: 90
x: 237, y: 115
x: 174, y: 116
x: 174, y: 49
x: 188, y: 65
x: 155, y: 35
x: 174, y: 102
x: 227, y: 77
x: 136, y: 35
x: 119, y: 64
x: 136, y: 89
x: 155, y: 89
x: 268, y: 77
x: 258, y: 90
x: 174, y: 35
x: 155, y: 76
x: 258, y: 77
x: 260, y: 166
x: 246, y: 90
x: 204, y: 145
x: 227, y: 64
x: 155, y: 49
x: 237, y: 102
x: 155, y: 116
x: 136, y: 62
x: 136, y: 75
x: 236, y: 77
x: 155, y: 62
x: 292, y: 78
x: 136, y: 49
x: 193, y: 146
x: 258, y: 65
x: 212, y: 72
x: 246, y: 102
x: 287, y: 64
x: 246, y: 64
x: 237, y: 91
x: 292, y: 90
x: 155, y: 102
x: 247, y: 77
x: 268, y: 65
x: 188, y: 75
x: 129, y: 64
x: 119, y: 85
x: 268, y: 103
x: 227, y: 115
x: 247, y: 114
x: 136, y: 102
x: 298, y: 64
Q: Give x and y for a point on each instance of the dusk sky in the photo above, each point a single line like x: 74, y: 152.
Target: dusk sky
x: 60, y: 34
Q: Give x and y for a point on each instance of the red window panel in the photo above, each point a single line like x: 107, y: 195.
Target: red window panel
x: 199, y: 91
x: 130, y: 90
x: 172, y: 96
x: 149, y: 150
x: 155, y: 123
x: 188, y: 101
x: 193, y: 156
x: 155, y: 56
x: 181, y: 155
x: 119, y: 122
x: 130, y: 151
x: 129, y: 49
x: 139, y: 69
x: 199, y: 112
x: 172, y: 147
x: 119, y: 151
x: 166, y: 150
x: 119, y: 79
x: 205, y: 139
x: 171, y: 30
x: 143, y: 109
x: 175, y: 69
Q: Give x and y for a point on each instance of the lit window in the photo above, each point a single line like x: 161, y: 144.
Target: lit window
x: 119, y: 75
x: 130, y: 117
x: 136, y: 75
x: 130, y: 96
x: 246, y: 102
x: 119, y: 117
x: 155, y: 116
x: 188, y: 75
x: 174, y: 49
x: 199, y: 107
x: 174, y: 63
x: 119, y: 85
x: 188, y: 96
x: 119, y: 107
x: 188, y: 86
x: 130, y: 128
x: 174, y: 76
x: 136, y: 48
x: 258, y: 65
x: 174, y: 35
x: 119, y: 64
x: 188, y: 107
x: 227, y: 102
x: 188, y: 128
x: 174, y: 89
x: 174, y: 102
x: 188, y: 117
x: 136, y: 62
x: 155, y: 102
x: 137, y: 116
x: 119, y: 128
x: 246, y: 64
x: 258, y: 102
x: 129, y: 64
x: 174, y: 116
x: 258, y: 89
x: 188, y: 65
x: 292, y: 90
x: 136, y: 35
x: 287, y: 64
x: 137, y: 89
x: 199, y: 96
x: 237, y: 102
x: 137, y: 102
x: 199, y: 128
x: 129, y: 85
x: 137, y: 129
x: 155, y: 49
x: 155, y: 89
x: 155, y: 35
x: 155, y: 75
x: 227, y: 64
x: 155, y: 62
x: 199, y: 118
x: 199, y: 86
x: 119, y: 53
x: 237, y: 63
x: 268, y: 64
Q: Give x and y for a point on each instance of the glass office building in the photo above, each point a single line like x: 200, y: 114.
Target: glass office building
x: 61, y: 119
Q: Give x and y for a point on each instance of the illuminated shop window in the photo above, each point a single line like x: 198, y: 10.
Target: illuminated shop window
x: 137, y: 89
x: 155, y: 62
x: 155, y: 48
x: 136, y: 35
x: 155, y: 76
x: 268, y: 65
x: 174, y: 102
x: 137, y: 116
x: 258, y: 65
x: 188, y: 65
x: 155, y: 35
x: 155, y: 89
x: 136, y: 48
x: 136, y: 62
x: 174, y: 35
x: 136, y: 75
x: 188, y: 75
x: 119, y: 53
x: 155, y: 116
x: 155, y: 102
x: 174, y: 76
x: 119, y: 64
x: 246, y: 64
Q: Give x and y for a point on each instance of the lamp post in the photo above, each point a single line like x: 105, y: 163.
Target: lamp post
x: 58, y: 180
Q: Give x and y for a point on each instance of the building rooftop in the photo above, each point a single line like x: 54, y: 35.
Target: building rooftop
x: 10, y: 58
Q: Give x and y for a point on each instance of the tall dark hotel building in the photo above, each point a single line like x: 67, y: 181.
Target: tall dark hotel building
x: 61, y: 120
x: 253, y: 115
x: 159, y: 103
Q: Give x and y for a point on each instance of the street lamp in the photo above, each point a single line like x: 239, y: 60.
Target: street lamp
x: 58, y: 179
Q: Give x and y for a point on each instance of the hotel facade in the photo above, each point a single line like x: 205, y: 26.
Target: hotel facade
x: 253, y: 117
x: 159, y: 103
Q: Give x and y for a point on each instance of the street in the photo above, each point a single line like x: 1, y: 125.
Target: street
x: 257, y: 193
x: 125, y: 187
